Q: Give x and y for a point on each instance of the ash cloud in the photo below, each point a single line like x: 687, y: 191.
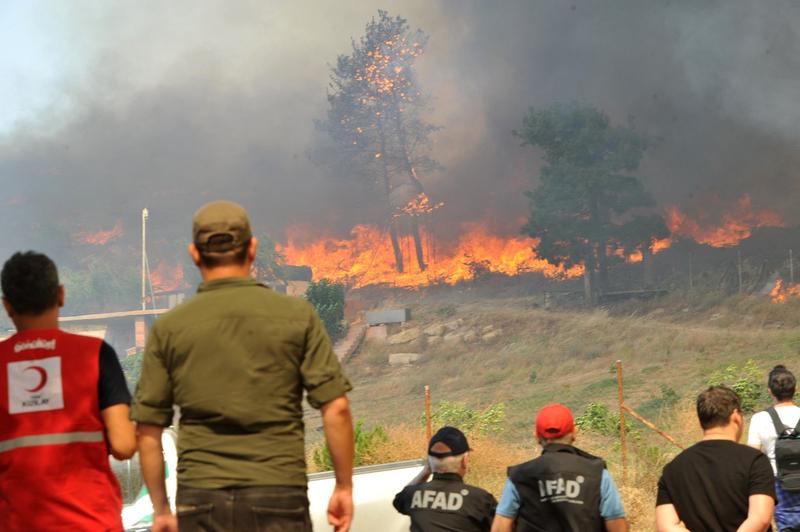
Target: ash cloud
x: 180, y: 104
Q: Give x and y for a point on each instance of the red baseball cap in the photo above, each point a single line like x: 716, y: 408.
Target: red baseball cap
x: 554, y: 421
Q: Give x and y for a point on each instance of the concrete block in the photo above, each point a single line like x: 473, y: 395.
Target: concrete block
x: 403, y: 359
x: 377, y: 333
x: 436, y: 329
x: 452, y: 325
x: 383, y: 316
x: 403, y: 337
x: 489, y: 336
x: 453, y: 337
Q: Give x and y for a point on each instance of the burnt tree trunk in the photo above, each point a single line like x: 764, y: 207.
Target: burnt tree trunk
x: 398, y: 251
x: 412, y: 175
x: 418, y: 244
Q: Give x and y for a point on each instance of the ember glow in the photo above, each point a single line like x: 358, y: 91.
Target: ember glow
x: 99, y: 238
x: 733, y: 227
x: 420, y: 205
x: 367, y: 257
x: 166, y: 278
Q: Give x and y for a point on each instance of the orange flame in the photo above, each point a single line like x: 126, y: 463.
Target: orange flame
x: 166, y: 278
x: 100, y: 238
x: 780, y: 294
x: 367, y: 258
x: 733, y: 228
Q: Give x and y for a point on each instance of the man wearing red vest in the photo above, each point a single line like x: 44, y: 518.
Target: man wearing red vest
x: 64, y: 406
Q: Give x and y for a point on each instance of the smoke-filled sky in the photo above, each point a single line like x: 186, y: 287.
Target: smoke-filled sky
x: 111, y: 107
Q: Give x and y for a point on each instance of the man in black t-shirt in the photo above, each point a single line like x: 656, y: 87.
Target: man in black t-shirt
x: 717, y: 485
x: 445, y: 503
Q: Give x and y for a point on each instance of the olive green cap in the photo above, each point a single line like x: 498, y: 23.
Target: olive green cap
x: 220, y: 226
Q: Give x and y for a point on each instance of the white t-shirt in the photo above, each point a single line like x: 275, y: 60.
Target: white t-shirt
x: 762, y: 430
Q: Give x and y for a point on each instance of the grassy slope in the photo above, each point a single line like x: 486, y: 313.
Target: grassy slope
x: 676, y: 342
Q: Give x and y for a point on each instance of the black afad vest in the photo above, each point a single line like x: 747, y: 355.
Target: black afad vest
x: 559, y: 491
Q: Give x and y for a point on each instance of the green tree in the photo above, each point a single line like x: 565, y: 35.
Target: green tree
x: 587, y: 206
x: 375, y: 122
x: 328, y: 299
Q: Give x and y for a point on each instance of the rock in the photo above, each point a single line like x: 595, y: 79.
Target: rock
x: 487, y: 329
x: 433, y: 340
x: 452, y: 325
x: 377, y: 333
x: 435, y: 330
x: 453, y: 337
x: 403, y: 359
x: 470, y: 336
x: 404, y: 337
x: 489, y: 336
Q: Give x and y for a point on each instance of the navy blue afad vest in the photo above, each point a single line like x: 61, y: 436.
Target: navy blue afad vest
x: 559, y: 491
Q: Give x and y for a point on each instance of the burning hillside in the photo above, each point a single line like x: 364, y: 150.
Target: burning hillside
x: 734, y: 225
x: 367, y: 257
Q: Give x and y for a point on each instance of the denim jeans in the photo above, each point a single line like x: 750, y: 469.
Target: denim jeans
x: 261, y: 509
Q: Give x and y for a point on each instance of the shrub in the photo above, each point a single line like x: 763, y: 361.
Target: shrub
x: 532, y: 377
x: 328, y: 299
x: 669, y: 398
x: 365, y: 443
x: 459, y: 415
x: 747, y: 381
x: 446, y: 311
x: 598, y: 418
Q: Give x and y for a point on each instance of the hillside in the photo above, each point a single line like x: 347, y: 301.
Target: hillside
x: 482, y: 350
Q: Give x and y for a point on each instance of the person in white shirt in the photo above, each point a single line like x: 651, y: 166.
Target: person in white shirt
x: 762, y: 436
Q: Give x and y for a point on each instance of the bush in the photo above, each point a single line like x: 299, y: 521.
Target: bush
x: 459, y: 415
x: 365, y: 443
x: 747, y: 381
x: 532, y: 377
x: 132, y: 369
x: 669, y: 398
x: 598, y: 418
x: 328, y: 299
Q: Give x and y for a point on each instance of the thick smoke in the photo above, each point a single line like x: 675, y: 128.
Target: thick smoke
x: 176, y: 104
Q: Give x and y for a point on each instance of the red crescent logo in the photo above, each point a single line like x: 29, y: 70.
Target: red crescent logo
x: 42, y: 378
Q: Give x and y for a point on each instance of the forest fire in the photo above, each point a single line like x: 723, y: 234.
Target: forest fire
x: 367, y: 257
x: 166, y: 278
x: 100, y: 238
x: 734, y: 226
x: 781, y: 293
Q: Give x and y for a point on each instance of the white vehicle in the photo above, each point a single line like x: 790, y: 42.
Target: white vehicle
x: 374, y: 488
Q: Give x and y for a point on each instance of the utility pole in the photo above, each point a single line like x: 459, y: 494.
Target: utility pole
x: 144, y: 258
x: 739, y: 262
x: 691, y: 273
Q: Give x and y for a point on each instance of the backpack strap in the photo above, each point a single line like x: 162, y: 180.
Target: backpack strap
x: 780, y: 428
x: 796, y: 431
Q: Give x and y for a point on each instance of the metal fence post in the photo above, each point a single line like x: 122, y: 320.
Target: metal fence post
x: 428, y: 425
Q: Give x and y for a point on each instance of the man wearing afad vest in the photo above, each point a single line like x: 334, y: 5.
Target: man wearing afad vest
x: 64, y: 406
x: 564, y: 490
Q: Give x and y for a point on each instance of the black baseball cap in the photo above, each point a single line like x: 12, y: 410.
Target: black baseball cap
x: 450, y: 437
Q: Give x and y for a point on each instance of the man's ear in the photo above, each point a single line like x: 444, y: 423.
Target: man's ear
x: 252, y: 250
x: 61, y: 296
x: 9, y: 309
x: 194, y: 253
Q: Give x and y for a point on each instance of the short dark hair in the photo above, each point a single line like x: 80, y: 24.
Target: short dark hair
x: 30, y: 282
x: 781, y: 383
x: 715, y: 406
x: 236, y: 256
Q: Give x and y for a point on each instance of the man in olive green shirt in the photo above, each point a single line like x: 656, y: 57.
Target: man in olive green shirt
x: 236, y: 358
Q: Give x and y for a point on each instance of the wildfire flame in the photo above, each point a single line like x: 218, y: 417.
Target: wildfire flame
x: 734, y: 226
x: 166, y: 278
x: 367, y: 258
x: 780, y: 293
x: 100, y: 238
